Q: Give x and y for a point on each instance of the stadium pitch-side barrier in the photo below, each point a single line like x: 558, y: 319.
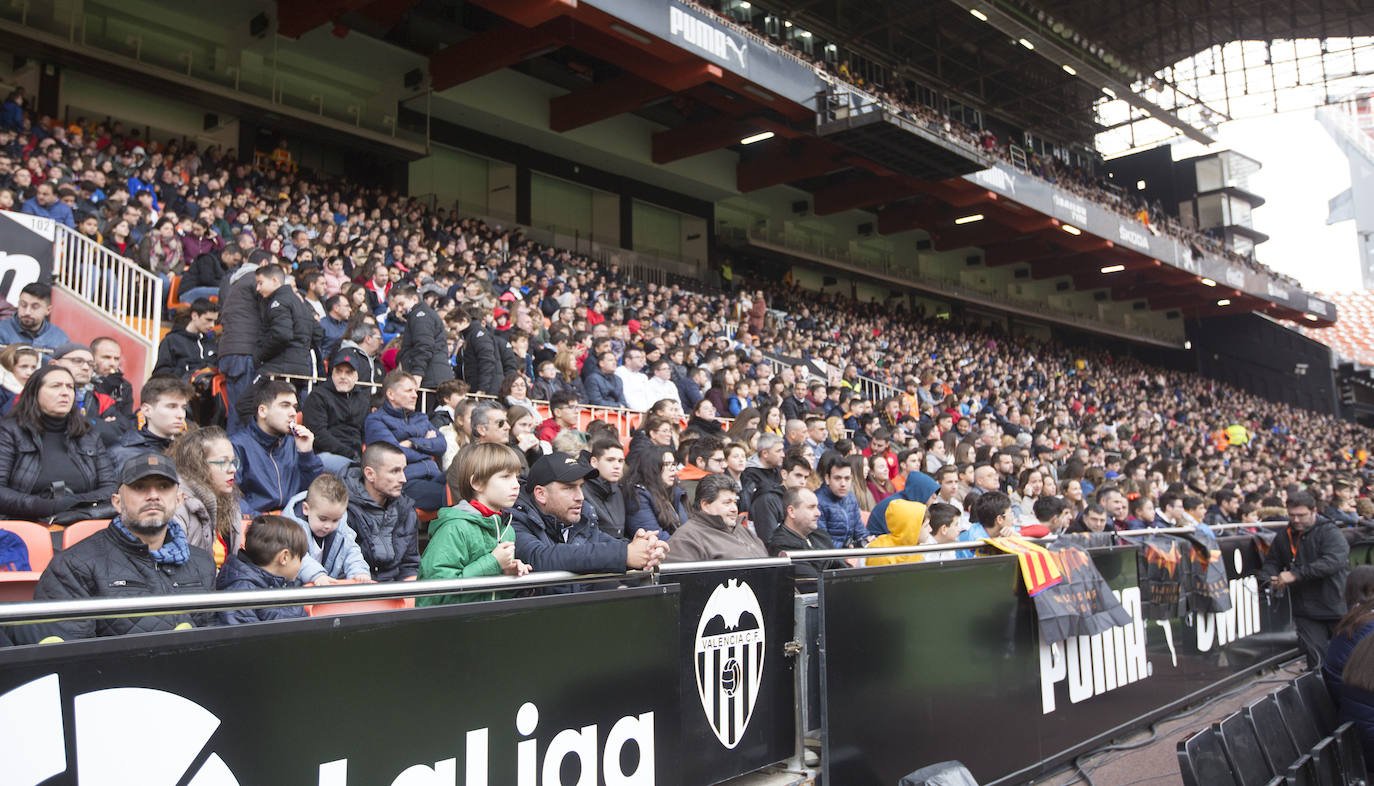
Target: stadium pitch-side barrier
x: 696, y: 673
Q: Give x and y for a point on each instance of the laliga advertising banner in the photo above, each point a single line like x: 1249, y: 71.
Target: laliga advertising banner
x: 930, y: 662
x: 736, y: 680
x: 558, y: 691
x: 26, y: 253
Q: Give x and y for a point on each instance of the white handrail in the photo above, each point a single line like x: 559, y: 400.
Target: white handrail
x: 109, y: 283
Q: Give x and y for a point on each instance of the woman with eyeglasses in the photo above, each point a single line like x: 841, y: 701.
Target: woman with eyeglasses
x: 50, y: 460
x: 653, y: 498
x: 210, y: 510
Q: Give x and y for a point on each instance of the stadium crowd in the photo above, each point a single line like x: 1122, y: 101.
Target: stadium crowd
x: 367, y: 389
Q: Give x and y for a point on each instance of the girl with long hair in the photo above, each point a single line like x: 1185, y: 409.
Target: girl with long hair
x: 653, y: 498
x: 209, y: 511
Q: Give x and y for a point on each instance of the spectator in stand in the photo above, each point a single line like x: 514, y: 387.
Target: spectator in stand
x: 397, y: 423
x: 766, y: 509
x: 1309, y: 558
x: 1053, y: 513
x: 45, y: 204
x: 270, y: 558
x: 563, y: 414
x: 50, y: 459
x: 205, y: 273
x: 335, y: 411
x: 1225, y: 510
x: 713, y: 531
x: 840, y: 515
x: 764, y: 471
x: 209, y: 509
x: 553, y: 534
x: 489, y: 423
x: 334, y: 324
x: 100, y: 409
x: 881, y: 445
x: 604, y: 386
x: 482, y: 368
x: 332, y: 552
x: 634, y: 384
x: 1116, y: 505
x: 238, y: 342
x: 992, y: 518
x: 108, y: 375
x: 654, y: 501
x: 276, y: 456
x: 817, y: 440
x: 1093, y: 519
x: 800, y: 532
x: 30, y: 325
x: 424, y: 345
x: 143, y: 552
x: 382, y: 515
x: 190, y: 347
x: 602, y: 492
x: 474, y: 539
x: 906, y: 524
x: 17, y: 364
x: 515, y: 392
x: 289, y: 330
x: 879, y: 484
x: 661, y: 385
x: 692, y: 387
x: 362, y: 345
x: 163, y: 407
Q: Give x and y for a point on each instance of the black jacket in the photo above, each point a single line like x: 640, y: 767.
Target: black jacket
x: 388, y: 536
x: 21, y: 463
x: 766, y: 513
x: 755, y: 480
x: 785, y: 539
x: 239, y: 574
x: 135, y: 443
x: 181, y: 353
x: 289, y: 332
x: 336, y: 419
x: 239, y: 313
x: 482, y: 368
x: 1321, y: 564
x: 369, y: 370
x: 204, y: 271
x: 539, y: 542
x: 607, y: 504
x: 109, y: 565
x: 424, y: 347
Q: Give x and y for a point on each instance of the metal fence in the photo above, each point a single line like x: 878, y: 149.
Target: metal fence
x: 109, y: 283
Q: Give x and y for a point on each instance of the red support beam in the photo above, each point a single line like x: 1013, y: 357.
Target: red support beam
x: 866, y: 192
x: 1063, y: 266
x: 904, y: 218
x: 697, y: 138
x: 624, y: 93
x: 1016, y: 251
x: 530, y: 13
x: 786, y: 161
x: 492, y: 51
x: 295, y: 18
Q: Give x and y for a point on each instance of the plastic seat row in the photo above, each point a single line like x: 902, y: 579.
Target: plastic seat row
x: 19, y: 585
x: 1290, y: 736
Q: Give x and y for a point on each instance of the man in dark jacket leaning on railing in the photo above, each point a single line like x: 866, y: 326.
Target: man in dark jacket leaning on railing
x: 1310, y: 558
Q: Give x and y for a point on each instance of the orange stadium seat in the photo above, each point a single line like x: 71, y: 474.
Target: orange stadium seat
x: 81, y: 530
x: 38, y: 540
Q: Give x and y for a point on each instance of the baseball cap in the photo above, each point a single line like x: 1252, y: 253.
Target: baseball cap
x: 343, y: 358
x: 146, y: 466
x: 68, y: 348
x: 559, y: 468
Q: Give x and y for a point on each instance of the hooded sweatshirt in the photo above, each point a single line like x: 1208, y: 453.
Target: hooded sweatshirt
x: 919, y: 487
x: 904, y: 520
x: 461, y: 539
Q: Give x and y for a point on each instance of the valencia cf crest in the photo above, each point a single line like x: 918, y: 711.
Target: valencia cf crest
x: 729, y: 659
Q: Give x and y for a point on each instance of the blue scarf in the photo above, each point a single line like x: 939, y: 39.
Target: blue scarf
x: 174, y: 551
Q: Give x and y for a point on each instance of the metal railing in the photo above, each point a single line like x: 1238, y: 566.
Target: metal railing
x: 109, y: 283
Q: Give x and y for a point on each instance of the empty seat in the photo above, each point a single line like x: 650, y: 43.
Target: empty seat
x: 1297, y: 718
x: 36, y: 539
x: 1301, y: 772
x: 1275, y: 741
x: 1353, y: 765
x: 1326, y: 758
x: 1202, y: 760
x: 1244, y: 750
x: 75, y: 533
x: 1318, y: 701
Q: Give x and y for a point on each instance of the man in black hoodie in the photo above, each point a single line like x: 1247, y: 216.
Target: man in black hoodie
x: 755, y: 480
x: 335, y: 411
x: 602, y: 490
x: 191, y: 347
x: 238, y: 343
x: 766, y: 512
x: 205, y: 275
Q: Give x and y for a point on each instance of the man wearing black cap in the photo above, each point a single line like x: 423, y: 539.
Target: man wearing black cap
x: 142, y: 552
x: 335, y: 411
x: 551, y: 533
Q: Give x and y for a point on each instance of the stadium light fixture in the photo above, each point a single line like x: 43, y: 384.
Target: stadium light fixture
x: 787, y: 23
x: 1071, y: 229
x: 979, y: 15
x: 1107, y: 91
x: 1187, y: 345
x: 1224, y: 302
x: 1113, y: 268
x: 1070, y: 70
x: 1026, y: 43
x: 969, y: 219
x: 1207, y: 282
x: 749, y: 140
x: 1310, y: 317
x: 1140, y: 185
x: 745, y: 6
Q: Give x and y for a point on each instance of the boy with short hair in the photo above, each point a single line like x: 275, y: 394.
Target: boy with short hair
x: 943, y: 520
x: 474, y: 538
x: 270, y: 559
x: 332, y: 551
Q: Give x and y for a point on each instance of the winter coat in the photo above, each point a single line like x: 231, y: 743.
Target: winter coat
x: 389, y: 424
x: 690, y: 393
x: 919, y: 487
x: 109, y: 565
x: 48, y: 335
x: 272, y: 470
x: 197, y: 248
x: 336, y: 419
x: 766, y: 512
x: 904, y: 519
x: 369, y: 370
x: 337, y: 556
x: 333, y: 332
x: 605, y: 390
x: 289, y: 333
x: 239, y: 574
x: 461, y: 540
x: 205, y: 270
x: 707, y: 537
x: 183, y: 352
x: 643, y: 512
x: 389, y: 535
x: 482, y: 368
x: 785, y: 539
x: 540, y: 543
x: 21, y: 454
x: 196, y: 514
x: 755, y: 480
x: 239, y: 313
x: 1321, y: 564
x: 840, y: 517
x: 607, y: 504
x: 424, y: 347
x: 136, y: 443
